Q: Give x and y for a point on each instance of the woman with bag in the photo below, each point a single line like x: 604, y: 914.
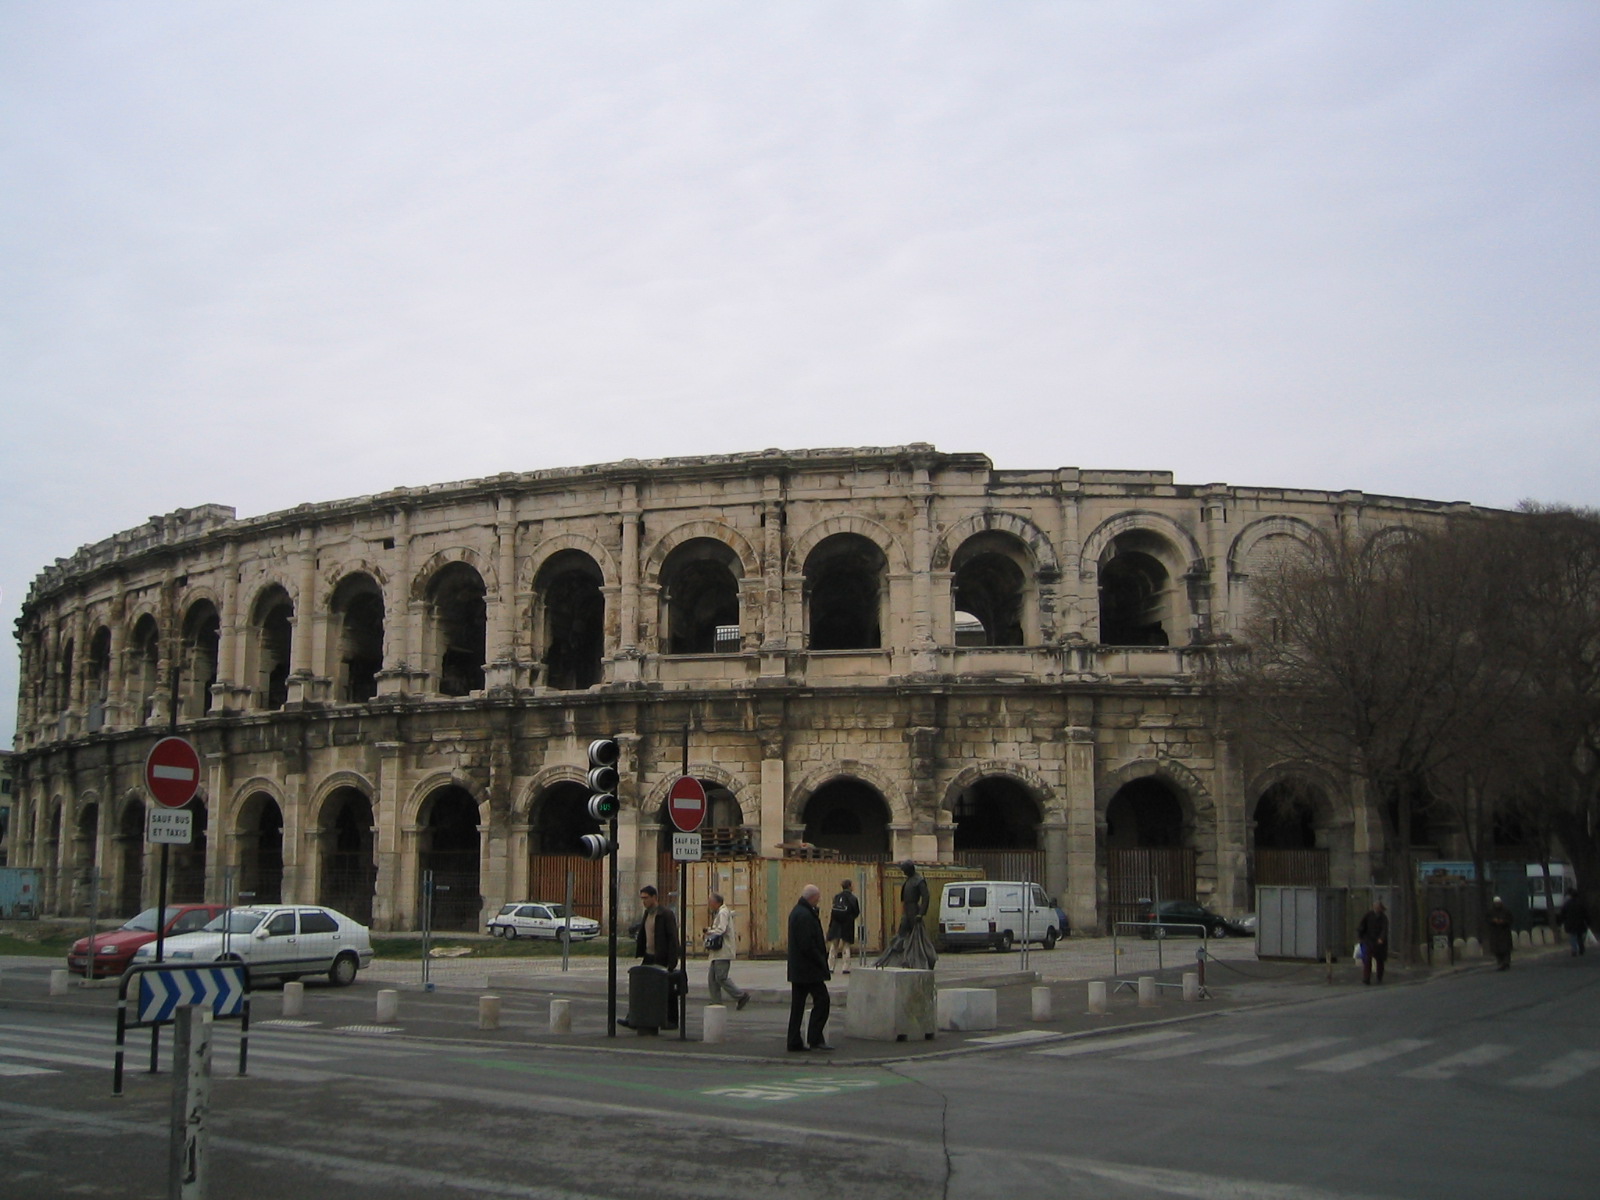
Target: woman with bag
x: 720, y: 947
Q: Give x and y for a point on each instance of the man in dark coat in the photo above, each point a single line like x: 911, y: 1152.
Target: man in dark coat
x: 657, y: 943
x: 1575, y: 921
x: 1373, y: 933
x: 808, y: 972
x: 1499, y: 918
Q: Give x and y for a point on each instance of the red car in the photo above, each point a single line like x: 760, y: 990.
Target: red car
x: 114, y: 949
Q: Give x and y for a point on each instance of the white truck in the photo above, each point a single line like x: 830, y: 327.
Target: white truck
x: 996, y: 914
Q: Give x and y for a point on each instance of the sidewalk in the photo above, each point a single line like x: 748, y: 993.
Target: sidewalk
x: 1235, y: 980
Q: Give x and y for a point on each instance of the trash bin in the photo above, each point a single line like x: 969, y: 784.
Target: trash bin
x: 649, y: 987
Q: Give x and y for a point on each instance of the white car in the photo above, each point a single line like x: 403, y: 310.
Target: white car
x: 282, y: 940
x: 539, y: 919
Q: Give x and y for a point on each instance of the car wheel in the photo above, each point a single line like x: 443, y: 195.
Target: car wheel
x: 1160, y: 931
x: 1050, y: 938
x: 1004, y: 942
x: 1219, y: 931
x: 511, y: 933
x: 343, y: 971
x: 494, y: 931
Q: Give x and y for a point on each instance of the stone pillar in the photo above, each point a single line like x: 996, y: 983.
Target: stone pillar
x: 924, y: 656
x: 501, y: 669
x: 518, y: 833
x: 626, y: 655
x: 1081, y: 836
x: 1056, y: 836
x: 305, y: 625
x: 774, y: 793
x: 389, y: 911
x: 772, y: 552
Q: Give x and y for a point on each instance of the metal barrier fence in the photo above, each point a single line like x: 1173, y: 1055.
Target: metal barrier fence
x: 1151, y: 948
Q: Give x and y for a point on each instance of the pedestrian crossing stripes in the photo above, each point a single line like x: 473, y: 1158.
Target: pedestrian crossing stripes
x: 1239, y: 1050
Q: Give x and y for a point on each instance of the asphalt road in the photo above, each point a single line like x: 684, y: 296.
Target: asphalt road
x: 1476, y: 1085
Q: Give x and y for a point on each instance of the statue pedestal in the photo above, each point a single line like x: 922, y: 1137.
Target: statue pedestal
x: 891, y: 1004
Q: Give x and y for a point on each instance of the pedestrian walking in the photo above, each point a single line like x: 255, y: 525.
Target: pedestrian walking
x: 1373, y: 934
x: 808, y: 972
x: 1575, y: 921
x: 842, y: 920
x: 721, y: 943
x: 1499, y: 918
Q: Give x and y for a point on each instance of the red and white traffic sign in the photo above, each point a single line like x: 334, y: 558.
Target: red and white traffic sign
x: 686, y: 803
x: 172, y: 772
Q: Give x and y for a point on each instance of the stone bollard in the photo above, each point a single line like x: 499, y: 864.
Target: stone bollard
x: 1545, y: 937
x: 1147, y: 991
x: 561, y: 1016
x: 388, y: 1006
x: 294, y: 999
x: 58, y: 982
x: 1097, y: 998
x: 714, y: 1018
x: 1041, y: 1004
x: 1460, y: 948
x: 488, y: 1012
x: 1191, y: 986
x: 1474, y: 948
x: 1524, y: 939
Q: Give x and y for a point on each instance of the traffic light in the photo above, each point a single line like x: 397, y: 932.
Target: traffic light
x: 604, y: 754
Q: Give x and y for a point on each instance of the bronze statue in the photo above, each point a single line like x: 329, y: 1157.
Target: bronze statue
x: 911, y: 947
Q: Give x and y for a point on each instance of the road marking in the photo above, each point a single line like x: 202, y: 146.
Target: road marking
x: 55, y: 1056
x: 1560, y: 1070
x: 1006, y: 1039
x: 285, y: 1023
x: 9, y: 1069
x: 1453, y: 1064
x: 1102, y: 1045
x: 1251, y: 1058
x: 1178, y: 1051
x: 1367, y: 1057
x: 366, y: 1029
x: 794, y: 1089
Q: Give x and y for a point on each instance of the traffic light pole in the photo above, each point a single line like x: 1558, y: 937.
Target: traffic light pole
x: 611, y: 958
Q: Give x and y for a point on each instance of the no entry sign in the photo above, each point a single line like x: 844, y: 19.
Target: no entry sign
x: 172, y: 772
x: 686, y: 803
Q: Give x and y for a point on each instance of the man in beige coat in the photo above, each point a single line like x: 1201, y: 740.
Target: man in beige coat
x: 720, y: 946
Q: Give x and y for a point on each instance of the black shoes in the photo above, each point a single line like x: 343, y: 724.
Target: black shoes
x: 821, y: 1046
x: 743, y: 1000
x: 798, y: 1049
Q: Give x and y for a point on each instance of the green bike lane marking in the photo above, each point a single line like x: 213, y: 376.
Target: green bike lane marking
x: 753, y: 1087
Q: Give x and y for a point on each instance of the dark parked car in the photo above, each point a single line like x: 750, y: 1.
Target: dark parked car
x: 1185, y: 918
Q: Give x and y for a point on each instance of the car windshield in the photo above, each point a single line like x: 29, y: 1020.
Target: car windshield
x: 240, y: 920
x: 558, y: 911
x: 145, y: 922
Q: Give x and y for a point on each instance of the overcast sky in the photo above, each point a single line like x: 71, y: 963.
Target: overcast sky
x: 260, y: 254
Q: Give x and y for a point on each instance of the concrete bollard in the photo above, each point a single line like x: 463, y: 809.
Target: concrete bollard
x: 715, y: 1023
x: 1191, y: 986
x: 1524, y: 939
x: 488, y: 1012
x: 388, y: 1006
x: 1460, y: 947
x: 1041, y: 1004
x: 1474, y: 948
x: 561, y: 1016
x: 1545, y: 938
x: 1097, y: 998
x: 294, y: 999
x: 1147, y: 991
x: 58, y: 982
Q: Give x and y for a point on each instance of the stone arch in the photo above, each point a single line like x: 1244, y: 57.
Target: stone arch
x: 699, y: 591
x: 1039, y: 545
x: 129, y: 836
x: 411, y: 807
x: 994, y: 591
x: 422, y: 580
x: 749, y: 561
x: 548, y: 777
x: 449, y: 840
x: 749, y: 806
x: 263, y: 584
x: 1286, y: 847
x: 343, y: 820
x: 800, y: 794
x: 1043, y: 795
x: 258, y: 826
x: 356, y: 606
x: 552, y: 546
x: 1141, y: 520
x: 232, y: 807
x: 336, y: 782
x: 1199, y: 807
x: 1259, y: 531
x: 893, y: 551
x: 337, y: 572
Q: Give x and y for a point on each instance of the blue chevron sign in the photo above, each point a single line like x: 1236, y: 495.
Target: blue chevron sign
x: 163, y: 990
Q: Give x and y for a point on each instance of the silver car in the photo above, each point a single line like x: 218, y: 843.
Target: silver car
x: 541, y: 919
x: 281, y: 940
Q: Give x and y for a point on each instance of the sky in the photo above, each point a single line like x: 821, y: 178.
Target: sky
x: 262, y: 254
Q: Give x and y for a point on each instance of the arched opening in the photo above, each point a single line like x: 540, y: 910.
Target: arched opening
x: 84, y: 848
x: 997, y: 828
x: 97, y: 678
x: 1146, y: 855
x: 849, y: 816
x: 990, y: 587
x: 459, y: 628
x: 64, y: 686
x: 560, y: 818
x: 450, y: 849
x: 349, y: 871
x: 1284, y: 837
x: 700, y: 598
x: 202, y: 633
x: 272, y: 635
x: 1136, y: 592
x: 845, y: 580
x: 260, y: 833
x: 144, y: 665
x: 570, y: 612
x: 188, y: 863
x: 130, y: 846
x: 357, y: 608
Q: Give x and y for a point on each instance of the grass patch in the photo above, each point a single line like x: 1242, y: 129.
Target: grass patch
x: 411, y: 947
x: 30, y: 939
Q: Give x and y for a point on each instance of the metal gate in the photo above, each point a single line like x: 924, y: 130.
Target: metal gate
x: 1146, y: 874
x: 1291, y: 868
x: 1024, y: 865
x: 547, y: 881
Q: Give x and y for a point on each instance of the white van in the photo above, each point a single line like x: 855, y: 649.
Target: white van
x: 1562, y: 881
x: 996, y: 913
